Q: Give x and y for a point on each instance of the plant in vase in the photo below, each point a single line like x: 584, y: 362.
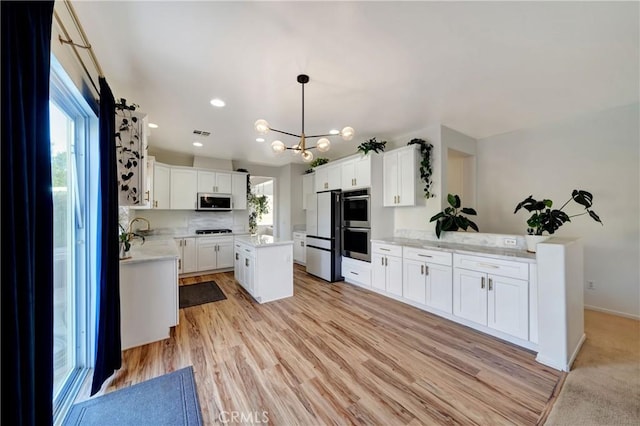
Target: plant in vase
x: 544, y: 219
x: 125, y: 238
x: 450, y: 218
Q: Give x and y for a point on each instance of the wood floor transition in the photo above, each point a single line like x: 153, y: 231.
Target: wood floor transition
x: 339, y: 354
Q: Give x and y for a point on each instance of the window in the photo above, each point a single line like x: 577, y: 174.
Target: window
x: 73, y: 128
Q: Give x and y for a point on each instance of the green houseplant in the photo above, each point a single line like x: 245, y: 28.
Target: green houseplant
x: 451, y: 219
x: 372, y: 145
x: 544, y: 219
x: 426, y: 169
x: 315, y: 163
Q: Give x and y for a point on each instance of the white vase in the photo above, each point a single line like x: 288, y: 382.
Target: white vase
x: 533, y: 240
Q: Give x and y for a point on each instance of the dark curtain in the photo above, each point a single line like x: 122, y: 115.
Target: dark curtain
x: 27, y: 215
x: 108, y: 345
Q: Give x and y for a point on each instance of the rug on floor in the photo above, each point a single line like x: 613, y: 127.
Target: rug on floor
x: 198, y: 294
x: 171, y: 399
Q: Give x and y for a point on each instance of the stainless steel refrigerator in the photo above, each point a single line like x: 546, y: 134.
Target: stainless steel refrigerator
x: 324, y: 258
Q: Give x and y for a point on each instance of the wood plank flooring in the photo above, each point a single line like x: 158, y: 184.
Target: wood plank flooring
x: 339, y: 354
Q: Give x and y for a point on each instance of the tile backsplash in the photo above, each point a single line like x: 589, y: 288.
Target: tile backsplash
x: 188, y: 221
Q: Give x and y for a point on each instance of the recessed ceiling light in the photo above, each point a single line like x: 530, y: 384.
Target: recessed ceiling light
x: 259, y: 139
x: 334, y: 132
x: 153, y: 125
x: 217, y: 103
x: 198, y: 144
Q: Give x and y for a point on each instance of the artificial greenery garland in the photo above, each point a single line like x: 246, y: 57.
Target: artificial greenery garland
x: 425, y: 165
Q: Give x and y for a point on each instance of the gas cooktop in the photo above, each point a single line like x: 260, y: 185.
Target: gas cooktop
x: 213, y: 231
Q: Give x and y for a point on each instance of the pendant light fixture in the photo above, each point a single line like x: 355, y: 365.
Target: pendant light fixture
x: 323, y: 144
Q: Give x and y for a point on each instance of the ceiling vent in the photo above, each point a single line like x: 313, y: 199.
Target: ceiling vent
x: 201, y: 132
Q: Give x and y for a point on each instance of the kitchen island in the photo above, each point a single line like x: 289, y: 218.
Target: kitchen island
x: 263, y: 266
x: 149, y: 292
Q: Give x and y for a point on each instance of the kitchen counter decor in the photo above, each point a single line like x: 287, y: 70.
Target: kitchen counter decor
x: 450, y: 218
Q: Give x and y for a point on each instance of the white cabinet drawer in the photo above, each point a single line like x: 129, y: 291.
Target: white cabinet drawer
x: 426, y: 255
x: 214, y: 240
x: 503, y: 268
x: 386, y: 249
x: 356, y: 271
x: 299, y: 235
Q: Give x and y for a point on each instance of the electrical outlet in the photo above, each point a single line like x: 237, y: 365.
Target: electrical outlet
x: 510, y: 242
x: 591, y: 285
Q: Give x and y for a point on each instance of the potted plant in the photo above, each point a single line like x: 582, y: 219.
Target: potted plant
x: 544, y: 219
x: 371, y: 145
x: 125, y: 238
x: 315, y: 163
x: 450, y: 218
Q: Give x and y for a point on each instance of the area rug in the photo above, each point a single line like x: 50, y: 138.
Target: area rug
x: 603, y: 387
x: 171, y: 399
x: 198, y: 294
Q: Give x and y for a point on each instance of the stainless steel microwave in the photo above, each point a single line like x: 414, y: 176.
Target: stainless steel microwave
x: 214, y: 202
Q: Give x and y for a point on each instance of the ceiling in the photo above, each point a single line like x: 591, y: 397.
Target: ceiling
x: 384, y: 68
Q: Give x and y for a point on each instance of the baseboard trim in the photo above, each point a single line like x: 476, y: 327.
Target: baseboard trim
x: 612, y: 312
x: 575, y: 352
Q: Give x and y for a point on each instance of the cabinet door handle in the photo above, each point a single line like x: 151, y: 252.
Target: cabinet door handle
x: 146, y: 198
x: 179, y: 264
x: 302, y: 243
x: 482, y: 283
x: 155, y: 204
x: 237, y: 256
x: 386, y: 261
x: 398, y: 199
x: 382, y: 261
x: 490, y: 284
x: 354, y: 273
x: 426, y: 270
x: 246, y: 262
x: 421, y: 269
x: 355, y: 181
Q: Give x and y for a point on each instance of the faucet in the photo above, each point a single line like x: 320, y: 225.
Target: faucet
x: 135, y: 219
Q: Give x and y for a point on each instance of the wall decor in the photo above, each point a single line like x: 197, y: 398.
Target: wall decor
x: 131, y: 148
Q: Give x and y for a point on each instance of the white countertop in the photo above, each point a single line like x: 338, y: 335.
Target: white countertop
x: 157, y: 248
x: 494, y: 252
x: 263, y: 240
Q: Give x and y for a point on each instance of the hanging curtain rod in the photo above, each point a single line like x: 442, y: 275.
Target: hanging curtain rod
x: 84, y: 45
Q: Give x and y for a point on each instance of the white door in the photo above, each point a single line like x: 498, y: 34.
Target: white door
x: 161, y: 186
x: 362, y: 172
x: 470, y: 295
x: 414, y: 285
x: 223, y: 183
x: 378, y: 272
x: 206, y: 256
x: 325, y: 203
x: 439, y: 287
x: 189, y: 255
x: 334, y: 176
x: 224, y: 255
x: 406, y: 178
x: 183, y: 185
x: 390, y: 179
x: 206, y: 181
x: 348, y: 175
x: 298, y: 247
x: 307, y: 188
x: 238, y: 270
x: 312, y: 214
x: 508, y: 306
x: 249, y: 276
x: 394, y: 275
x: 239, y: 191
x: 321, y: 182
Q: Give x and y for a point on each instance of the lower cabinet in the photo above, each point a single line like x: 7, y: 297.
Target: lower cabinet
x: 386, y: 268
x: 244, y: 266
x: 215, y: 253
x: 188, y: 250
x: 356, y: 271
x: 428, y: 283
x: 299, y: 248
x: 487, y: 298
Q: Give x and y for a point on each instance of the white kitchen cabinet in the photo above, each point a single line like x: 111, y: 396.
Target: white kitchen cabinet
x: 216, y: 182
x: 328, y: 177
x: 183, y: 183
x: 299, y: 248
x: 494, y: 293
x: 214, y: 253
x: 161, y: 186
x: 356, y: 173
x: 428, y: 278
x: 244, y: 265
x: 148, y: 301
x: 188, y: 250
x: 400, y: 175
x: 356, y: 271
x: 386, y: 268
x: 307, y: 188
x: 239, y: 191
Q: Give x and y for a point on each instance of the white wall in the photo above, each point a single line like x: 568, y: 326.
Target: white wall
x: 598, y: 153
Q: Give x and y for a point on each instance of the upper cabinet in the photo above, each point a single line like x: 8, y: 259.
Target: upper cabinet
x: 239, y: 191
x: 131, y: 154
x: 400, y: 176
x: 328, y: 177
x: 307, y: 188
x: 161, y: 186
x: 181, y: 180
x: 217, y: 182
x: 356, y: 173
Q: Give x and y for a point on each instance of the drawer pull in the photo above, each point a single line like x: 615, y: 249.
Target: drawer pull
x: 488, y: 265
x: 354, y: 273
x: 424, y: 255
x: 482, y: 283
x: 384, y: 249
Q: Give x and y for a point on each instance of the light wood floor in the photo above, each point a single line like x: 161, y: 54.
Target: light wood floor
x: 338, y: 354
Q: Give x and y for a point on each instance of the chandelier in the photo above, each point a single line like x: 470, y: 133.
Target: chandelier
x: 323, y: 144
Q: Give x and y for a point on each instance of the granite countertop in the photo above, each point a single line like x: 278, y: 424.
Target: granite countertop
x: 263, y: 240
x: 156, y: 248
x: 494, y: 252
